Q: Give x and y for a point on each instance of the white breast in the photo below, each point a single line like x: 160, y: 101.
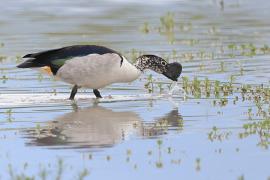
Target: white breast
x: 97, y: 71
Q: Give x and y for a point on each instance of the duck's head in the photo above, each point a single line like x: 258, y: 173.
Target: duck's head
x: 159, y: 65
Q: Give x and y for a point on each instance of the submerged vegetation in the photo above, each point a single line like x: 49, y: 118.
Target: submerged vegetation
x: 49, y: 171
x: 259, y: 128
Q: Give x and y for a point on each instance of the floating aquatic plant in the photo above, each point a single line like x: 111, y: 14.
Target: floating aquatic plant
x: 198, y: 164
x: 9, y: 115
x: 4, y: 79
x: 44, y: 173
x: 2, y: 57
x: 145, y: 28
x: 260, y: 128
x: 265, y: 49
x: 83, y: 174
x: 216, y: 134
x: 167, y: 22
x: 149, y: 85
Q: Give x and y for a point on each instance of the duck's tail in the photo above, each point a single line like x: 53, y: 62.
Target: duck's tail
x: 32, y: 62
x: 28, y: 64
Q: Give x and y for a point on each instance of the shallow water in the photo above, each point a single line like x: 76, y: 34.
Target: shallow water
x: 218, y: 128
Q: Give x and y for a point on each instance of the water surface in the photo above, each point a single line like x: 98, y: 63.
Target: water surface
x: 219, y: 130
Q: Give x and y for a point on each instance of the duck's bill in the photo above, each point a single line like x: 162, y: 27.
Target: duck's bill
x: 170, y: 77
x: 173, y: 71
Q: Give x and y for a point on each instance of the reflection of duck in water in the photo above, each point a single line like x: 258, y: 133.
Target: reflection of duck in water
x: 98, y: 127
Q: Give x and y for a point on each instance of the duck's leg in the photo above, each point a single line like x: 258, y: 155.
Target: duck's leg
x: 73, y: 92
x: 97, y: 93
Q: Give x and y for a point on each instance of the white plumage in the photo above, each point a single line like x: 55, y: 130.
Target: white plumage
x: 97, y: 71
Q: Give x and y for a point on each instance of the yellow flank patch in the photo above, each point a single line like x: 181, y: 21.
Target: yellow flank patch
x: 47, y: 70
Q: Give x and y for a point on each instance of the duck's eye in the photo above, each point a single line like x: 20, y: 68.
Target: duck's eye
x: 163, y: 63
